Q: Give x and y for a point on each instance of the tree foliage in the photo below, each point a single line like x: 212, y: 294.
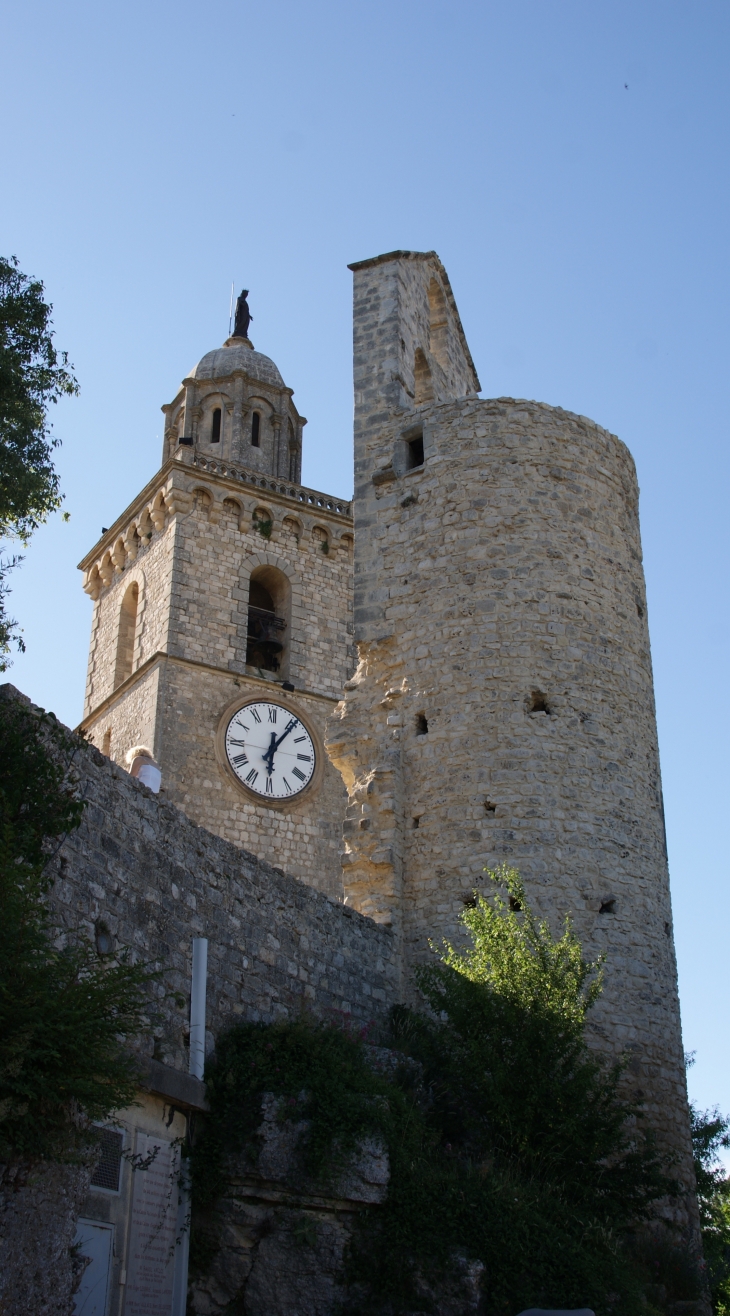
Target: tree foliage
x: 509, y: 1141
x: 33, y: 375
x: 710, y: 1133
x: 64, y: 1011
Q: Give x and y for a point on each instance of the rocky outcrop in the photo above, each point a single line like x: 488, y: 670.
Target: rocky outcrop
x: 280, y: 1236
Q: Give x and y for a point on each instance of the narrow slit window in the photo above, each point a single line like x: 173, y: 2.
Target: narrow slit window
x: 215, y: 433
x: 414, y: 452
x: 255, y: 430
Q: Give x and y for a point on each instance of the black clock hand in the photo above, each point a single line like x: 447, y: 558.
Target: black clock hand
x: 269, y: 755
x: 284, y: 733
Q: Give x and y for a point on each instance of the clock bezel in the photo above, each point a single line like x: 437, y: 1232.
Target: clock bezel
x: 290, y: 802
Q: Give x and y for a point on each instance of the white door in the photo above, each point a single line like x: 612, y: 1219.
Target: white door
x: 95, y: 1240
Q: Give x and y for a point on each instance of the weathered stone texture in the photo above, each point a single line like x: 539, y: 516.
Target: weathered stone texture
x: 39, y: 1206
x: 503, y: 707
x: 156, y: 880
x: 282, y: 1237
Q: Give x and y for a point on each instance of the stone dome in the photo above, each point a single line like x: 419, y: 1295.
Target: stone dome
x: 237, y: 354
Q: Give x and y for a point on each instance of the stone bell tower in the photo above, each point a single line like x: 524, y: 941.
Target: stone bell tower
x: 503, y: 706
x: 227, y: 581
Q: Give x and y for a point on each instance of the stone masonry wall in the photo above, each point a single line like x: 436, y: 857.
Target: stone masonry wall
x: 305, y: 838
x: 503, y: 707
x: 156, y: 880
x: 151, y: 569
x: 39, y: 1207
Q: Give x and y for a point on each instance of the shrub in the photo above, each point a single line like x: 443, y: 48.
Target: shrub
x: 709, y: 1134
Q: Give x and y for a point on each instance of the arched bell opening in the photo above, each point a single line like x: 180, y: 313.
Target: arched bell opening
x: 269, y: 600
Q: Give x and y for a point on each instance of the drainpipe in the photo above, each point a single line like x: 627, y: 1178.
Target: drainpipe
x: 197, y: 1006
x: 196, y: 1067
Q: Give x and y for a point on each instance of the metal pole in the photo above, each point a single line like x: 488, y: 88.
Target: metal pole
x: 197, y: 1006
x: 196, y: 1066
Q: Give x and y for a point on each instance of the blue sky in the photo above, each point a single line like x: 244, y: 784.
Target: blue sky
x: 569, y: 163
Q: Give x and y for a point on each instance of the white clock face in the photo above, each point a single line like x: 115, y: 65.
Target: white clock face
x: 270, y: 750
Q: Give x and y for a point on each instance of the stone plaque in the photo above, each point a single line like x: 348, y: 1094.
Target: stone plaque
x: 152, y: 1249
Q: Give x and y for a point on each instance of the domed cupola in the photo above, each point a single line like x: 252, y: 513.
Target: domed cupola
x: 235, y: 405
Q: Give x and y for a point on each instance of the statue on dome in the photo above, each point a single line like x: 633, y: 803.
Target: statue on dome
x: 243, y: 316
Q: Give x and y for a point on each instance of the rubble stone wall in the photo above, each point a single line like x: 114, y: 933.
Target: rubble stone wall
x: 156, y: 880
x: 39, y: 1207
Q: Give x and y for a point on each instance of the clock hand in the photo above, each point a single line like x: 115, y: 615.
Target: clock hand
x: 284, y: 733
x: 268, y: 757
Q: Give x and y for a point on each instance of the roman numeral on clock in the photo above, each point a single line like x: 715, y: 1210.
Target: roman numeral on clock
x: 253, y: 774
x: 236, y: 742
x: 298, y: 739
x: 306, y: 758
x: 296, y: 773
x: 239, y: 759
x: 269, y: 786
x: 255, y: 715
x: 272, y: 714
x: 288, y: 787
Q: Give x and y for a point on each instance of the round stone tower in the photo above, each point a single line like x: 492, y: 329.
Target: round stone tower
x: 503, y: 706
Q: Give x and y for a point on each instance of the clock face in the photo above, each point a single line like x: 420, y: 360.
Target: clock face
x: 270, y: 750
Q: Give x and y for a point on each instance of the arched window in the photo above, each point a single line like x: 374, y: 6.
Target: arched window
x: 268, y: 606
x: 255, y: 430
x: 215, y: 433
x: 127, y: 628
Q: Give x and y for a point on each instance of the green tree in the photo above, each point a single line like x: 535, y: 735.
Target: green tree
x: 65, y: 1013
x: 33, y: 374
x: 511, y: 1067
x: 709, y: 1134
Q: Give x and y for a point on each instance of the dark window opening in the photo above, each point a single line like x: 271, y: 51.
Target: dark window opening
x: 414, y: 453
x: 489, y: 807
x: 608, y: 906
x: 215, y: 433
x: 265, y: 640
x: 416, y: 822
x: 421, y: 725
x: 255, y: 430
x: 469, y: 900
x: 515, y: 904
x: 103, y: 938
x: 639, y: 610
x: 106, y: 1174
x: 538, y: 702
